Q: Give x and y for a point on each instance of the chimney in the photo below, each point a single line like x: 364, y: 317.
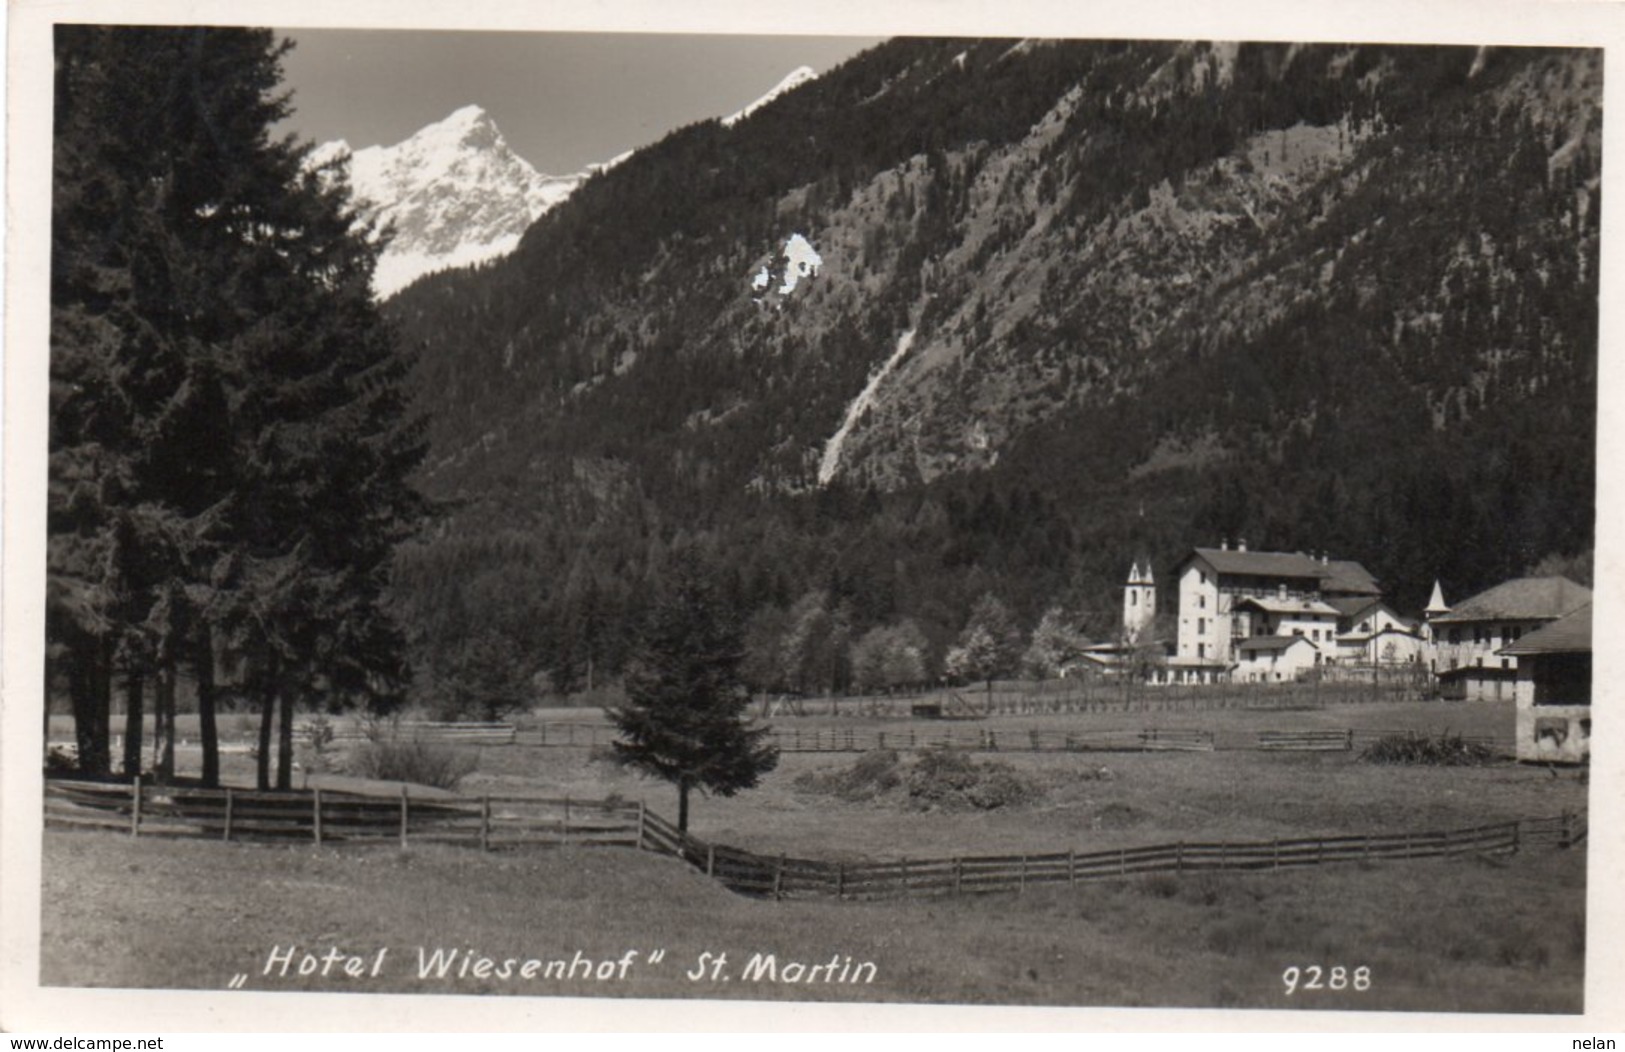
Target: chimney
x: 1224, y: 544
x: 1241, y: 544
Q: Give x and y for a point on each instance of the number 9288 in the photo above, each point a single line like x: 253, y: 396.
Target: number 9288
x: 1337, y: 977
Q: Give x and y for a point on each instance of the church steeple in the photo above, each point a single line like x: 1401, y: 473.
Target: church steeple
x: 1139, y: 602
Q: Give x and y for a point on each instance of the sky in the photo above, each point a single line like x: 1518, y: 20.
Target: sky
x: 562, y: 100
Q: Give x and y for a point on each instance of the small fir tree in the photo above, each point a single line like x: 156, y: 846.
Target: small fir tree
x: 684, y: 720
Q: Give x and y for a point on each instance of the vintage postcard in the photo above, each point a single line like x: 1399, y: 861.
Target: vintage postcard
x: 784, y: 519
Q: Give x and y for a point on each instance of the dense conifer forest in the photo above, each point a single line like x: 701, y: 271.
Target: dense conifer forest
x: 1322, y: 297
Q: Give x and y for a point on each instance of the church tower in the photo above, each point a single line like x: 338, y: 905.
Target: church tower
x: 1139, y: 603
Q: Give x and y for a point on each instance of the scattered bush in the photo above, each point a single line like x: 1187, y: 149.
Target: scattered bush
x: 1444, y: 750
x: 873, y: 774
x: 420, y: 763
x: 951, y: 780
x: 944, y: 779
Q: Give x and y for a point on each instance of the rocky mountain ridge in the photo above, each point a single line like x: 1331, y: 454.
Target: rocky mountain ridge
x: 1072, y: 299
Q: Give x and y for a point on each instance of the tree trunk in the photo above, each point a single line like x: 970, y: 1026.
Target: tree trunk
x: 262, y: 774
x: 82, y: 663
x: 91, y: 685
x: 164, y: 701
x: 134, y: 712
x: 682, y: 805
x: 208, y: 730
x: 284, y: 759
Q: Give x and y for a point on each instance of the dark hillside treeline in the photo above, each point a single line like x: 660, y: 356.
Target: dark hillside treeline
x: 1321, y: 296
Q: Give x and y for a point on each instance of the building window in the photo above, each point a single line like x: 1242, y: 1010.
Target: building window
x: 1201, y: 602
x: 1201, y: 626
x: 1134, y: 599
x: 1201, y: 650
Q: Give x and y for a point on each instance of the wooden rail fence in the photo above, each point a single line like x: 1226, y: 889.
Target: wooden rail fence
x: 492, y: 823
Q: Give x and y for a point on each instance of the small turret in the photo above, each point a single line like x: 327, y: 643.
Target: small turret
x: 1436, y: 605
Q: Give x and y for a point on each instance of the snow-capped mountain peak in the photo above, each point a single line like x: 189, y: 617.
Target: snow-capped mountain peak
x: 793, y: 80
x: 454, y: 192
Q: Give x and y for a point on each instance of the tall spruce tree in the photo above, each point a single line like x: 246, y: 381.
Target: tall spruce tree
x: 684, y: 720
x: 231, y: 445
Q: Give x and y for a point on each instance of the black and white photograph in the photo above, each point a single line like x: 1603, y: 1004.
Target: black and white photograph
x: 1076, y: 514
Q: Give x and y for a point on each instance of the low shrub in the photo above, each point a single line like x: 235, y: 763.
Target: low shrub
x: 421, y: 763
x: 944, y: 778
x: 873, y: 774
x: 1443, y: 750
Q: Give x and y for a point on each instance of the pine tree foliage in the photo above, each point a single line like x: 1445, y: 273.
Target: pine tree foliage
x: 684, y: 720
x: 230, y: 438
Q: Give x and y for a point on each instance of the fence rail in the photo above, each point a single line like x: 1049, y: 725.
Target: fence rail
x: 495, y: 822
x: 983, y: 739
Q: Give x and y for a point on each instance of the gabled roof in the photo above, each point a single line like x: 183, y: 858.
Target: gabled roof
x: 1289, y: 606
x: 1348, y: 577
x: 1569, y: 634
x: 1258, y: 564
x: 1350, y: 607
x: 1272, y: 642
x: 1521, y: 599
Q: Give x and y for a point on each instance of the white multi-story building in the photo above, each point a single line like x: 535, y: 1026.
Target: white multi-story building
x: 1229, y: 597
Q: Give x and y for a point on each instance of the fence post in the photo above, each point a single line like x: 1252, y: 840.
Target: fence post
x: 1179, y: 856
x: 1072, y: 867
x: 1517, y: 836
x: 566, y: 831
x: 840, y: 880
x: 642, y: 812
x: 227, y: 835
x: 959, y: 874
x: 1349, y: 741
x: 1021, y: 878
x: 778, y: 879
x: 485, y: 822
x: 1275, y: 853
x: 1122, y: 861
x: 403, y: 814
x: 544, y: 734
x: 135, y: 807
x: 710, y: 860
x: 1568, y: 829
x: 316, y: 815
x: 882, y: 737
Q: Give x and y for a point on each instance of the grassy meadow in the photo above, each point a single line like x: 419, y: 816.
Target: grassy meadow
x: 1466, y: 934
x: 1469, y: 935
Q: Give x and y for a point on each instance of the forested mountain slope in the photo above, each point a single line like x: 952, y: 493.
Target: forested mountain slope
x: 1065, y: 301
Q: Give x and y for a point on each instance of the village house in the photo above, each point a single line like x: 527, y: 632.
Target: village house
x: 1369, y: 632
x: 1467, y: 642
x: 1554, y: 689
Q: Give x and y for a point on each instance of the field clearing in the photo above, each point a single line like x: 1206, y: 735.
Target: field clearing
x: 1089, y: 801
x: 143, y: 913
x: 1084, y: 801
